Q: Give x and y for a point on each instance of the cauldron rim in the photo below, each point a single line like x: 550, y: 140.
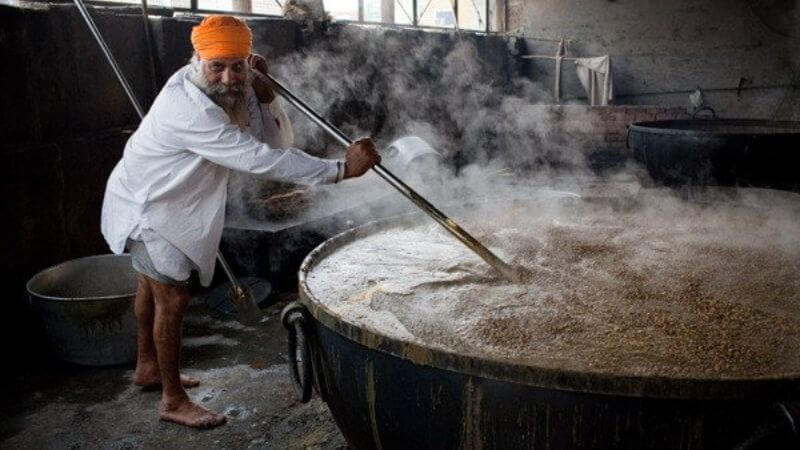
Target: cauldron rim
x: 760, y: 388
x: 718, y: 127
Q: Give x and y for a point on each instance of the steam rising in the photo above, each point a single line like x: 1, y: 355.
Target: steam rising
x: 469, y: 104
x: 460, y: 93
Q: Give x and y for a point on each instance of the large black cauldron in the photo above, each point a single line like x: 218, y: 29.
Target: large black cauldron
x: 389, y: 394
x: 724, y: 152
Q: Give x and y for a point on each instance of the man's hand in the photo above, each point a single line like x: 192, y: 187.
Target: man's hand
x: 264, y: 92
x: 361, y: 156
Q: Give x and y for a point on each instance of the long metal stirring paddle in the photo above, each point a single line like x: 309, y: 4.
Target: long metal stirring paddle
x: 449, y: 224
x: 241, y: 297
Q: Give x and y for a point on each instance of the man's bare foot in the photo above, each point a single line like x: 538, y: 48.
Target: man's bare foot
x: 153, y: 380
x: 191, y: 414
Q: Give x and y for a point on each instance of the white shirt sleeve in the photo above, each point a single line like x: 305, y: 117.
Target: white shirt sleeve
x: 208, y: 133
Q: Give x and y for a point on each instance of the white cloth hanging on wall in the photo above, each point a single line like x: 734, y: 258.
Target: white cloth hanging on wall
x: 595, y: 76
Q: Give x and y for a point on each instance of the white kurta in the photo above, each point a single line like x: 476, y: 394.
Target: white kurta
x: 171, y: 182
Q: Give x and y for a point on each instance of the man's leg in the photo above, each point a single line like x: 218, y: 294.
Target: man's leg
x: 176, y: 406
x: 147, y: 373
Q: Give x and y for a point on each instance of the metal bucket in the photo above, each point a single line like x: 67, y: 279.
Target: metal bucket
x: 388, y: 393
x: 86, y: 308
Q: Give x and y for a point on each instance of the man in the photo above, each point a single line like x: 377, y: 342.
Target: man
x: 165, y: 200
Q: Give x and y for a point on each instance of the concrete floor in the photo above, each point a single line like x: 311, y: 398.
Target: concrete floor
x: 244, y: 374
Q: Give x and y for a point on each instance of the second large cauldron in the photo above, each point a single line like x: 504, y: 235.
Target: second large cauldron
x: 726, y: 152
x: 388, y: 393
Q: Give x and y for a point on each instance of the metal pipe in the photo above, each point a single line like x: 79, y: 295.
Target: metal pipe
x: 111, y: 61
x: 449, y: 224
x: 229, y: 273
x: 150, y: 58
x: 559, y: 58
x: 454, y: 6
x: 124, y: 82
x: 171, y: 10
x: 487, y: 16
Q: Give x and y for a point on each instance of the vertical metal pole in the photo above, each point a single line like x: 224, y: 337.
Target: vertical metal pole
x: 245, y: 6
x: 387, y: 11
x: 486, y: 16
x: 559, y: 57
x: 414, y: 7
x: 148, y: 40
x: 506, y: 19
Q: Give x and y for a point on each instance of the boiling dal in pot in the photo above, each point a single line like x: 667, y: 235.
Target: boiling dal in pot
x: 655, y: 287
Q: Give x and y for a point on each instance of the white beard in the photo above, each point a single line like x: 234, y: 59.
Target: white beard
x: 232, y: 99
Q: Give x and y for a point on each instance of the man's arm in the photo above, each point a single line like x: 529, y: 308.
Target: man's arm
x: 271, y: 109
x: 263, y: 90
x: 235, y: 149
x: 210, y: 135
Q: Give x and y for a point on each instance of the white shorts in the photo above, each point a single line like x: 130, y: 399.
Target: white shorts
x: 156, y: 258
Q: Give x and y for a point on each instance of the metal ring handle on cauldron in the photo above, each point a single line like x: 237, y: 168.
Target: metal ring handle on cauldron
x: 628, y: 137
x: 778, y: 431
x: 704, y: 108
x: 294, y: 318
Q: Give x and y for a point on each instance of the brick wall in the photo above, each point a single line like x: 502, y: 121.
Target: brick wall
x: 615, y: 120
x: 603, y: 128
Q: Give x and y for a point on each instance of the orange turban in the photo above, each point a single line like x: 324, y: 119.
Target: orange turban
x: 222, y: 37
